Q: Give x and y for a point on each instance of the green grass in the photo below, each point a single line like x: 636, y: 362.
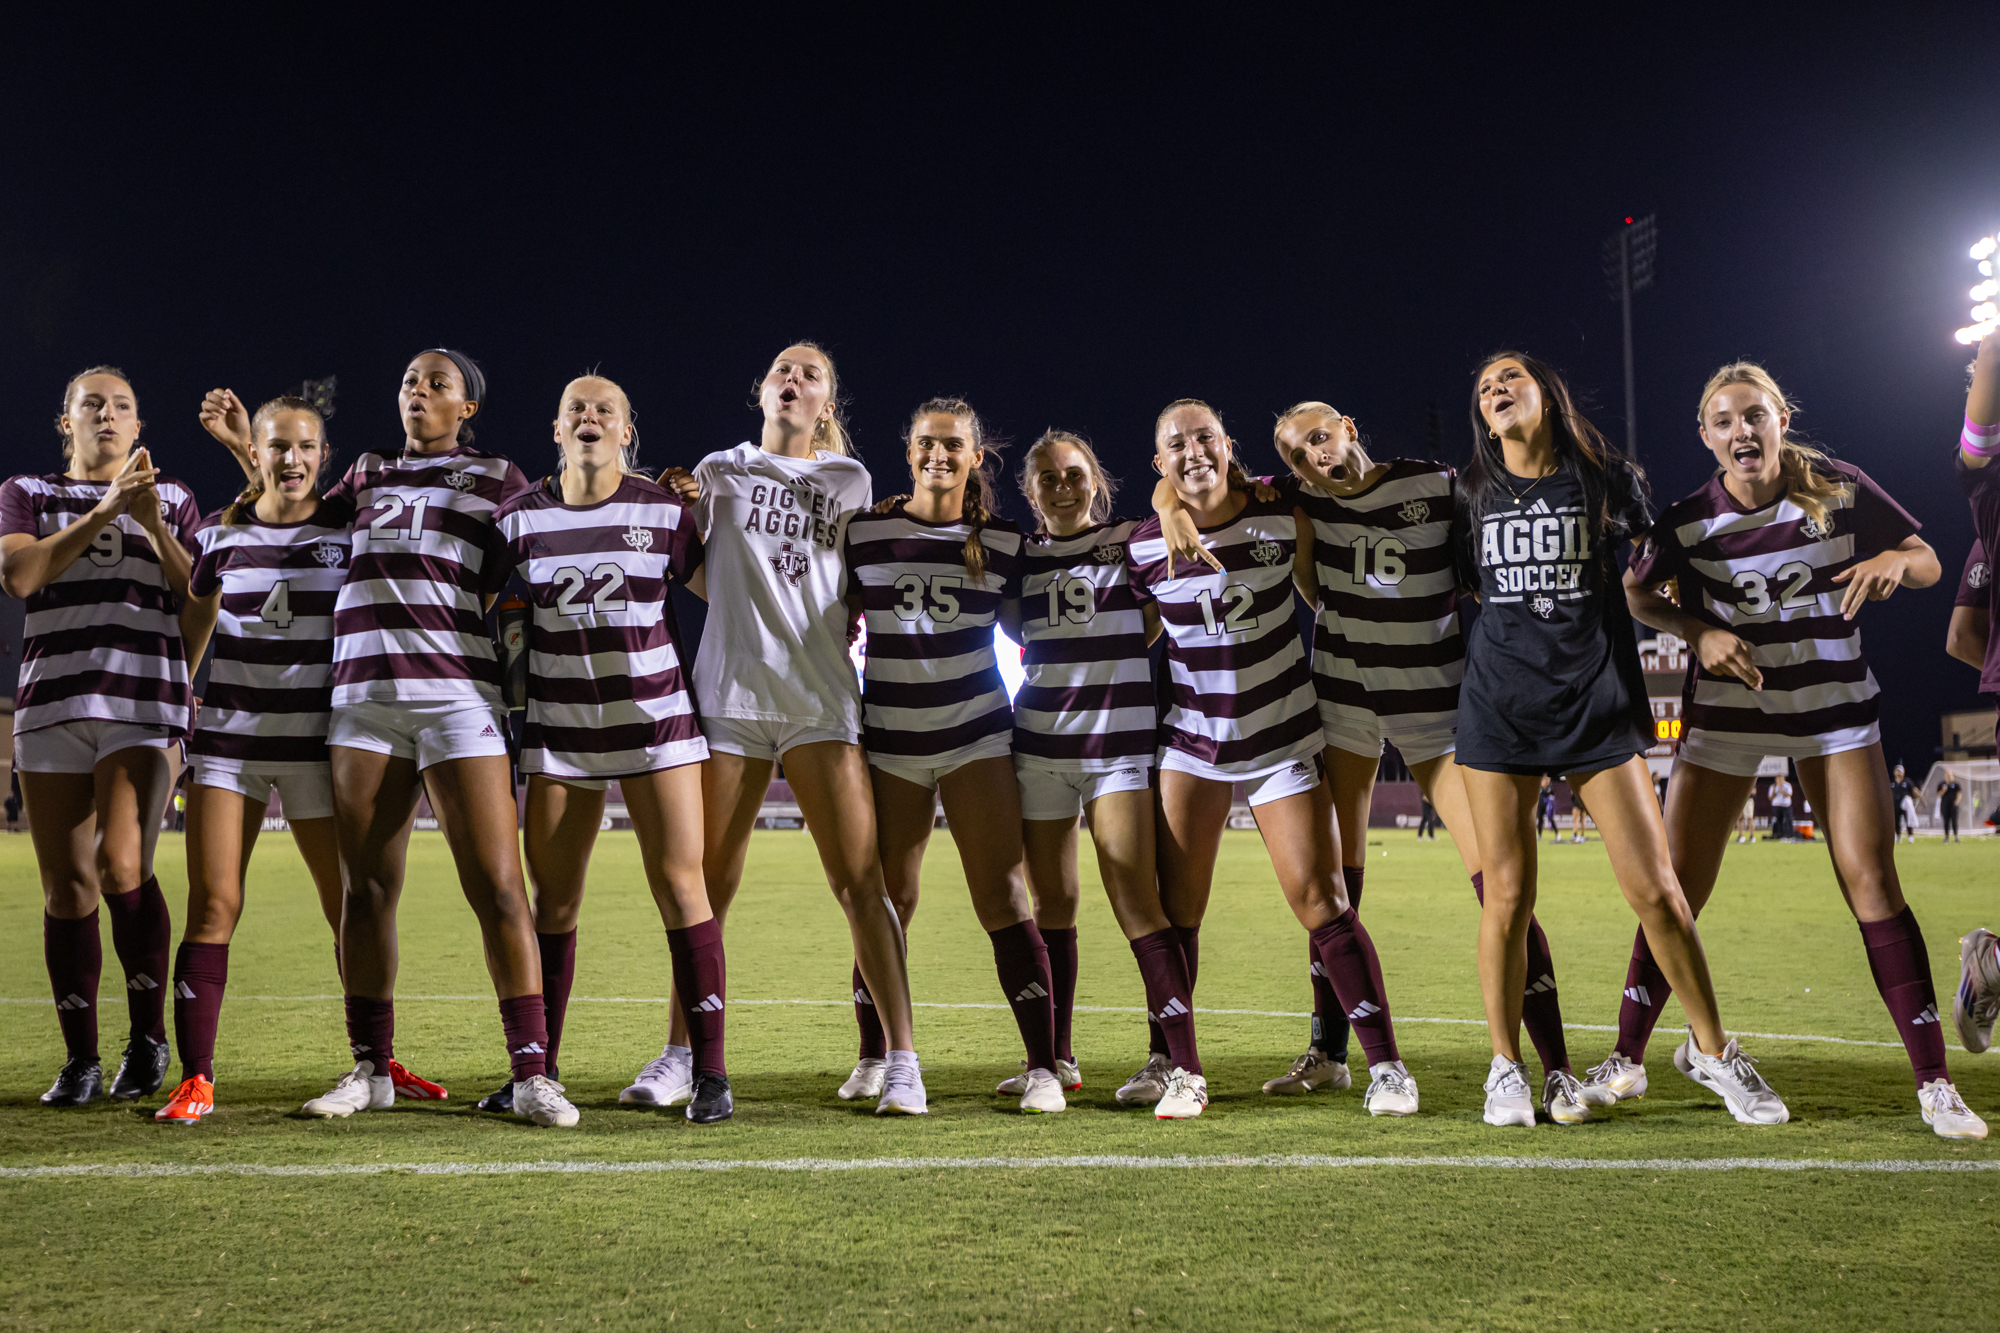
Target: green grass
x: 1062, y: 1247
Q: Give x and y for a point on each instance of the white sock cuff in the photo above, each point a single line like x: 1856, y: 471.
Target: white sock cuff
x: 902, y: 1058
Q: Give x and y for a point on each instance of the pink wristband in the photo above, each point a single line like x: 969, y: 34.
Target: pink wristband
x: 1980, y: 441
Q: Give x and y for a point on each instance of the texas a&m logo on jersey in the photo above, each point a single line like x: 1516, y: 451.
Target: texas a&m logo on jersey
x: 639, y: 538
x: 791, y: 562
x: 459, y: 481
x: 1111, y: 554
x: 1816, y: 528
x: 1267, y: 552
x: 1415, y: 511
x: 327, y: 553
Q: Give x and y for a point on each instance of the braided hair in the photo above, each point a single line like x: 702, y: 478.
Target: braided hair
x: 981, y: 482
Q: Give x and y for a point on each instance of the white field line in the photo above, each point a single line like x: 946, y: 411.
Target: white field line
x: 1081, y: 1009
x: 1106, y: 1161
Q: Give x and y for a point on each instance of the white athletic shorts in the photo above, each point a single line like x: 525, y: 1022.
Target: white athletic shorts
x: 1725, y: 753
x: 1271, y: 784
x: 76, y: 747
x: 755, y: 738
x: 428, y: 732
x: 305, y: 791
x: 1360, y: 732
x: 928, y: 770
x: 1056, y: 793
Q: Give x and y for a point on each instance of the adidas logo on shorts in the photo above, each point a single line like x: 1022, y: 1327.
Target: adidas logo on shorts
x: 1033, y: 991
x: 487, y: 730
x: 712, y: 1005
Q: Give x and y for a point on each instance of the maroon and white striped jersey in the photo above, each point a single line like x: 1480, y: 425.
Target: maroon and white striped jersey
x: 1086, y: 703
x: 411, y: 620
x: 1766, y: 575
x: 1387, y: 641
x: 1242, y: 695
x: 102, y: 639
x: 607, y: 696
x: 932, y: 685
x: 270, y: 680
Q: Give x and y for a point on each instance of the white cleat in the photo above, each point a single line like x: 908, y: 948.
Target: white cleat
x: 1562, y: 1098
x: 1013, y: 1085
x: 1977, y: 1003
x: 1391, y: 1090
x: 1185, y: 1097
x: 1733, y: 1076
x: 866, y: 1081
x: 1042, y: 1095
x: 1507, y: 1099
x: 1069, y: 1074
x: 1946, y: 1112
x: 1311, y: 1072
x: 667, y: 1080
x: 1614, y: 1081
x: 541, y: 1100
x: 359, y: 1089
x: 1147, y: 1085
x: 902, y: 1090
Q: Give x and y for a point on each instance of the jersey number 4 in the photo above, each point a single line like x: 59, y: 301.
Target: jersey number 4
x: 1237, y: 597
x: 1757, y: 596
x: 277, y: 607
x: 572, y: 581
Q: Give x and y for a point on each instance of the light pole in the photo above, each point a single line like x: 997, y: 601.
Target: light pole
x: 1628, y: 268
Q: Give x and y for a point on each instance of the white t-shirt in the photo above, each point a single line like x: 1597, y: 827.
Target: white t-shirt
x: 1781, y: 794
x: 774, y: 648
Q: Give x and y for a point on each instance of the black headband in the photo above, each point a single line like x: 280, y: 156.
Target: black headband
x: 468, y: 370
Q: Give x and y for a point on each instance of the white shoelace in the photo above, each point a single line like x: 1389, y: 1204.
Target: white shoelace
x: 1613, y: 1066
x: 1945, y: 1100
x: 1513, y: 1083
x: 1398, y: 1080
x: 1304, y: 1063
x: 1566, y: 1085
x: 660, y: 1067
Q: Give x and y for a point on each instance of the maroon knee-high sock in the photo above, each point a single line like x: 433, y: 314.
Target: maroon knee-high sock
x: 558, y: 975
x: 1022, y: 961
x: 874, y: 1041
x: 1348, y: 956
x: 1062, y: 970
x: 143, y: 935
x: 201, y: 971
x: 701, y: 980
x: 1903, y: 974
x: 1329, y: 1021
x: 1541, y: 1009
x: 74, y: 953
x: 524, y: 1019
x: 1646, y: 992
x: 1169, y: 998
x: 1190, y: 942
x: 371, y: 1031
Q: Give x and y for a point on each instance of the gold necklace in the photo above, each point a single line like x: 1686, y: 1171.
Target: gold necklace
x: 1522, y: 494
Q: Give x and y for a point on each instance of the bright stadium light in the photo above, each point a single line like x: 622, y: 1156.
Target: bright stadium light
x: 1985, y: 315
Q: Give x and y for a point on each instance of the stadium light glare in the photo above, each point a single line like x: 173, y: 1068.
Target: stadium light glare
x: 1984, y: 247
x: 1984, y: 290
x: 1986, y: 314
x: 1973, y: 333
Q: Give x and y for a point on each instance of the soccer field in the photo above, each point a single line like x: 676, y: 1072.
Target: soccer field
x: 808, y: 1212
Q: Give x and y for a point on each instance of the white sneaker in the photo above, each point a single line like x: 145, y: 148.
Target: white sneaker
x: 667, y: 1080
x: 1042, y: 1095
x: 359, y: 1089
x: 1309, y: 1073
x: 1614, y: 1081
x: 1147, y: 1085
x: 1946, y: 1112
x: 1977, y: 1003
x: 902, y: 1088
x: 1507, y: 1099
x: 1562, y: 1098
x: 1013, y: 1085
x: 1069, y: 1074
x: 1733, y: 1076
x: 1391, y: 1090
x: 1184, y: 1098
x: 541, y: 1100
x: 865, y: 1081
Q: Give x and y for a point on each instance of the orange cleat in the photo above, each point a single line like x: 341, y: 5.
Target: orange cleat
x: 413, y: 1089
x: 192, y: 1100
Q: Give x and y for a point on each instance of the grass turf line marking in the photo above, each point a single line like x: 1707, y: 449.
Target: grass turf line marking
x: 1080, y: 1009
x: 1106, y: 1161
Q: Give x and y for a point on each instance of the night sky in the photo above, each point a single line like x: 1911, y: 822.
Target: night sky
x: 1068, y: 222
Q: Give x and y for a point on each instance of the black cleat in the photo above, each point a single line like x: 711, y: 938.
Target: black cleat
x: 500, y: 1101
x: 712, y: 1099
x: 143, y: 1069
x: 80, y: 1082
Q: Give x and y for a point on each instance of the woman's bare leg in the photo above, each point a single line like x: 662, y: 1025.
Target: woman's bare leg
x: 1851, y: 792
x: 62, y: 822
x: 1053, y: 882
x: 1442, y: 782
x: 1503, y: 816
x: 319, y: 843
x: 1192, y: 814
x: 1121, y: 827
x: 982, y: 802
x: 474, y: 801
x: 374, y: 804
x: 666, y: 811
x: 222, y: 830
x: 559, y: 834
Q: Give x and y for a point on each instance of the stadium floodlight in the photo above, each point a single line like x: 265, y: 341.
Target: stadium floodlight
x: 1628, y: 267
x: 1985, y: 315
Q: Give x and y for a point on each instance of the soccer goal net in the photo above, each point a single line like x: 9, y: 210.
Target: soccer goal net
x: 1979, y: 795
